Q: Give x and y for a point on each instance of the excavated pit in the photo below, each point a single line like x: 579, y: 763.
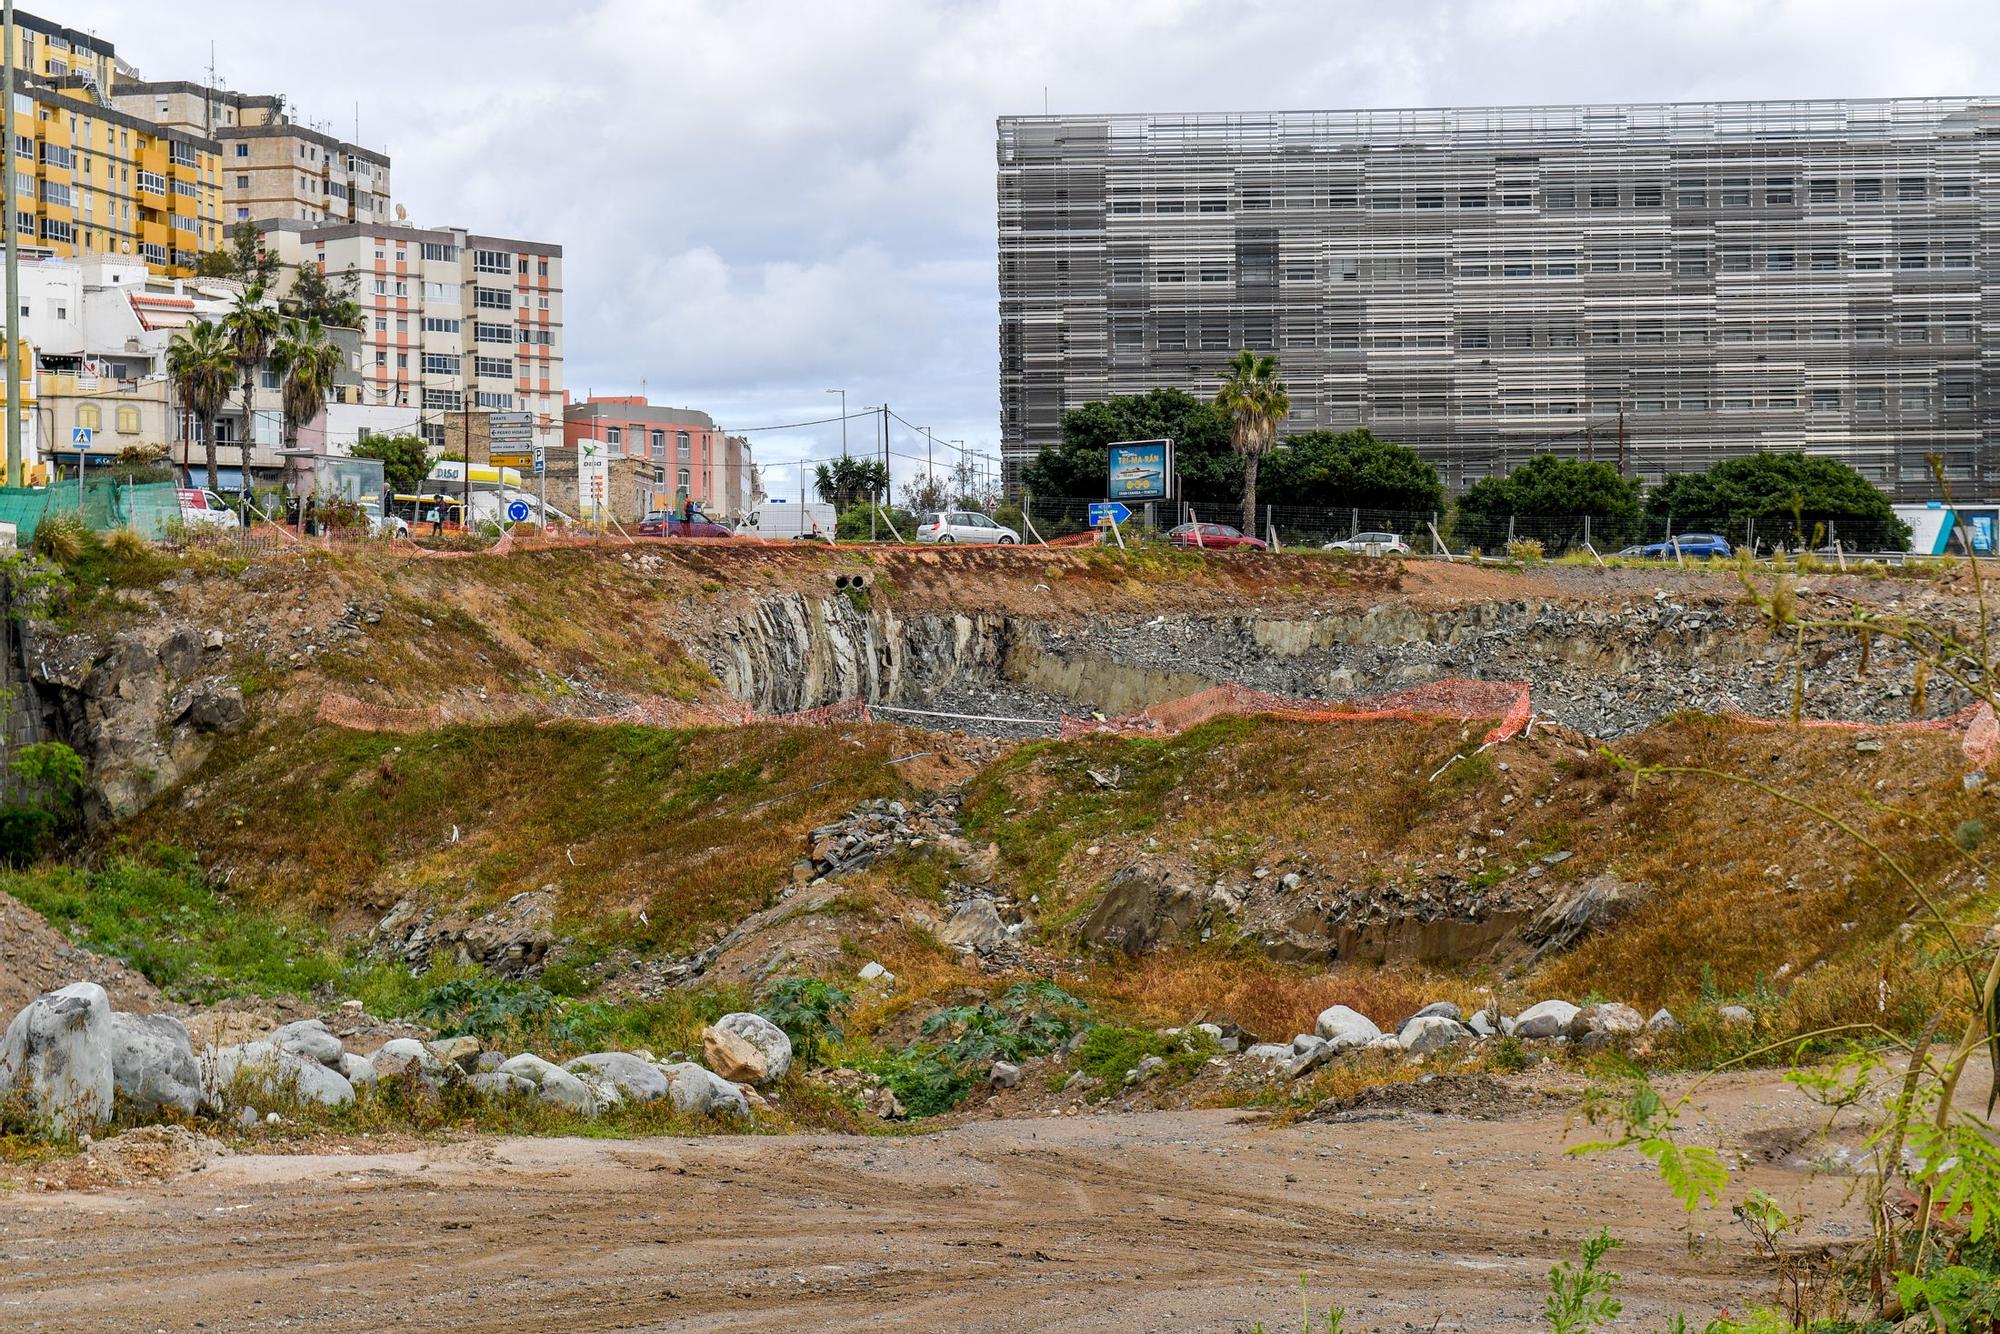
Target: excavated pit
x: 1603, y: 670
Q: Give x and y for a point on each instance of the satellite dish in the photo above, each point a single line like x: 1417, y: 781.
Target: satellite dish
x: 402, y: 214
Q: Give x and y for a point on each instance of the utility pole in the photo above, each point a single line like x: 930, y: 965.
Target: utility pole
x: 929, y: 444
x: 13, y: 262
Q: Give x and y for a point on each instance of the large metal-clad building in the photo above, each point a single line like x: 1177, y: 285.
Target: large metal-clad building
x: 1661, y: 286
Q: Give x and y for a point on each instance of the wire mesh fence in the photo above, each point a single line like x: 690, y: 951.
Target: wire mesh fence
x: 1463, y: 533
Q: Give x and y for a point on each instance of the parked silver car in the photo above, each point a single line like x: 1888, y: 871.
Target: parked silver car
x: 964, y: 526
x: 1388, y: 543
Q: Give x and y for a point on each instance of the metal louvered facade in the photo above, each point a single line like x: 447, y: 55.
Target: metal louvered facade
x: 1662, y: 286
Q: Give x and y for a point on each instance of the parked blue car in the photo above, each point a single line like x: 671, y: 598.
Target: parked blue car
x: 1694, y: 546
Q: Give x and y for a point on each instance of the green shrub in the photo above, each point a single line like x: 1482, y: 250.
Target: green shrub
x: 809, y: 1011
x: 62, y: 537
x: 48, y: 793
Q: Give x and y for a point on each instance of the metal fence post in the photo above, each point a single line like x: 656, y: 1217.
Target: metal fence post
x: 1586, y: 533
x: 1354, y: 522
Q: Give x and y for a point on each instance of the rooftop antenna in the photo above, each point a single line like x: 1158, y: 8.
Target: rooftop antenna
x: 208, y: 102
x: 1045, y: 99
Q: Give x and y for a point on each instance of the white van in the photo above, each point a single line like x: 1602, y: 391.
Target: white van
x: 202, y: 508
x: 778, y: 517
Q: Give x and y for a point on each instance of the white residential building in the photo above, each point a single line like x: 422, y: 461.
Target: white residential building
x: 451, y: 320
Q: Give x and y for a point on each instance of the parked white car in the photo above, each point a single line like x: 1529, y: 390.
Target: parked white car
x: 201, y: 508
x: 1387, y: 543
x: 964, y: 526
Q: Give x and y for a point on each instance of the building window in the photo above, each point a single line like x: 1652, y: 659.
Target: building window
x: 1647, y: 196
x: 1471, y: 199
x: 1475, y: 339
x: 486, y: 298
x: 1778, y: 261
x: 492, y: 261
x: 1867, y: 189
x: 492, y: 333
x: 1562, y: 264
x: 1822, y: 191
x: 128, y: 421
x: 1913, y: 257
x: 440, y: 363
x: 1868, y: 400
x: 434, y: 324
x: 1690, y: 194
x: 1955, y: 187
x: 501, y: 368
x: 444, y: 400
x: 1826, y: 400
x: 682, y: 447
x: 684, y: 479
x: 1910, y: 188
x: 436, y: 250
x: 659, y: 443
x: 1736, y: 192
x: 614, y: 435
x: 1559, y: 197
x: 88, y: 417
x: 1778, y: 190
x: 497, y: 401
x: 1690, y: 261
x: 1824, y: 261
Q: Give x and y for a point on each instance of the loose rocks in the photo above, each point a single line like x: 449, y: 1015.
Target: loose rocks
x: 267, y: 1071
x: 308, y: 1038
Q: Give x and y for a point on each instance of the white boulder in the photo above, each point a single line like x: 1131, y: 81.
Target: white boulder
x: 1432, y: 1032
x: 641, y: 1081
x: 309, y: 1038
x: 1549, y: 1019
x: 766, y: 1037
x: 357, y: 1070
x: 152, y: 1062
x: 402, y: 1056
x: 56, y: 1056
x: 266, y: 1071
x: 1345, y: 1028
x: 696, y: 1090
x: 552, y: 1082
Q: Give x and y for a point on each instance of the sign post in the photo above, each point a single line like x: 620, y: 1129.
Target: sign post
x: 542, y: 480
x: 1109, y: 514
x: 80, y: 437
x: 593, y: 479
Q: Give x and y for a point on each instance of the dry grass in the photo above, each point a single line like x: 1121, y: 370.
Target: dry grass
x: 1267, y: 998
x: 691, y: 828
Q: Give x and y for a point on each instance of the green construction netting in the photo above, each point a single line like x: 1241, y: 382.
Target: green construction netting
x: 106, y: 504
x: 23, y: 507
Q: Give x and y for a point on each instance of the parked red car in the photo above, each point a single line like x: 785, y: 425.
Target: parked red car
x: 669, y: 523
x: 1213, y: 537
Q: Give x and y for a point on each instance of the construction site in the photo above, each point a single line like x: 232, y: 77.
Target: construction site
x: 1140, y: 931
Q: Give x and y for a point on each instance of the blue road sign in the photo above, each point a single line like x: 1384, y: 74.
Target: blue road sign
x: 1104, y: 513
x: 517, y: 511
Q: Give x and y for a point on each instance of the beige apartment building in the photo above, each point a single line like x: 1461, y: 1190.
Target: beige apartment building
x: 272, y: 167
x: 452, y: 321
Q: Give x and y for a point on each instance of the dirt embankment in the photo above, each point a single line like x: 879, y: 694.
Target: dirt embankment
x: 1162, y: 1221
x: 35, y: 957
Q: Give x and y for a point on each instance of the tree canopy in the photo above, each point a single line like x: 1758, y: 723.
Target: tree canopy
x: 1788, y: 496
x: 848, y: 479
x: 1350, y: 470
x: 1079, y: 468
x: 1550, y: 488
x: 406, y: 460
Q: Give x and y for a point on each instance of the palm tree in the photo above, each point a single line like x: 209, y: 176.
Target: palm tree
x: 202, y: 364
x: 251, y: 326
x: 307, y: 362
x: 1254, y: 400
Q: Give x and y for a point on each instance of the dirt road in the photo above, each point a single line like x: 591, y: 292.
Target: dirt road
x: 1160, y: 1221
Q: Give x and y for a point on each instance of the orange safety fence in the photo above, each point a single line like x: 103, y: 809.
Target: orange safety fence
x: 1458, y: 699
x: 361, y: 716
x: 1979, y: 733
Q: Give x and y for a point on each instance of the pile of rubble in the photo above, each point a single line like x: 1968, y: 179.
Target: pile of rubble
x: 512, y: 940
x: 69, y: 1059
x: 876, y: 828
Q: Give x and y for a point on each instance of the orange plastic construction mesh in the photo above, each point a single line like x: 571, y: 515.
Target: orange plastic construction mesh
x: 853, y: 710
x: 1979, y: 733
x: 361, y: 716
x: 1458, y: 699
x: 660, y: 712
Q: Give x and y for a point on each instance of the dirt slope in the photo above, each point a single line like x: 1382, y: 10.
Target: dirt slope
x: 1165, y: 1221
x: 35, y: 957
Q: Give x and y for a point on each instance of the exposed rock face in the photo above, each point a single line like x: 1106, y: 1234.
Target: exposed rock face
x: 56, y: 1057
x: 1592, y: 906
x: 152, y: 1062
x: 1145, y: 906
x: 512, y: 940
x: 143, y: 709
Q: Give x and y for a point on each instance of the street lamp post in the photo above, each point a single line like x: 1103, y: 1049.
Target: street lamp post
x: 843, y: 419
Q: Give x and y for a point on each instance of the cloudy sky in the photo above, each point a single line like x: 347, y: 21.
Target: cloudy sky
x: 764, y: 199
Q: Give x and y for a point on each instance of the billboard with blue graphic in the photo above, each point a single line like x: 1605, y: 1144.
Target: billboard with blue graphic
x: 1142, y: 470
